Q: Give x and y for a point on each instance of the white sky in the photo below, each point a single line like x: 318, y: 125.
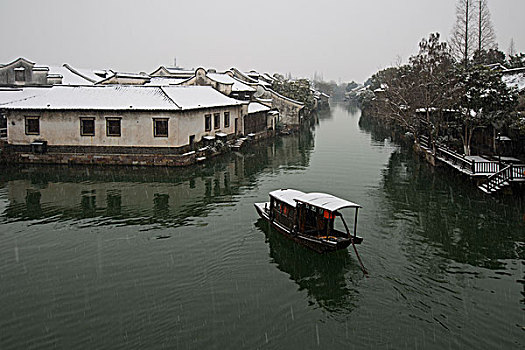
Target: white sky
x: 343, y: 40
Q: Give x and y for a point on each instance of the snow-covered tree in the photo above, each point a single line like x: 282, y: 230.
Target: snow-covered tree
x: 484, y: 100
x: 434, y: 84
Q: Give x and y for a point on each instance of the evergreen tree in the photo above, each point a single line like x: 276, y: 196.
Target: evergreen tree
x: 484, y: 99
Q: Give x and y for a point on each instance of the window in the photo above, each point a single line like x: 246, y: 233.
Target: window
x: 207, y: 122
x: 216, y: 120
x: 113, y: 126
x: 226, y: 119
x: 20, y: 74
x: 160, y: 127
x: 87, y: 126
x: 32, y: 125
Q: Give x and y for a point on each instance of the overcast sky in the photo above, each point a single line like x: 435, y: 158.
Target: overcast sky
x: 343, y: 40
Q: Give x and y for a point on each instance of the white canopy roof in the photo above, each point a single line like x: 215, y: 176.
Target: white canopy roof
x: 286, y: 196
x: 320, y: 200
x: 326, y: 201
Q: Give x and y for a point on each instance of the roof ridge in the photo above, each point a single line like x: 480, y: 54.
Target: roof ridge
x: 168, y: 96
x: 74, y: 71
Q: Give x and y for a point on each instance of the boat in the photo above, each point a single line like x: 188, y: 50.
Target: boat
x: 309, y: 218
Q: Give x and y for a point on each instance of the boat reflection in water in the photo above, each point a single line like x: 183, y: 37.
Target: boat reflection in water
x: 330, y: 280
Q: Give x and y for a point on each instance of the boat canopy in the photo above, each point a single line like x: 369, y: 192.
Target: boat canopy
x: 325, y: 201
x: 320, y: 200
x: 287, y: 196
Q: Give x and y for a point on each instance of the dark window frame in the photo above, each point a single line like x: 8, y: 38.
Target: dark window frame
x: 82, y: 126
x: 156, y: 128
x: 207, y: 122
x: 226, y: 119
x: 27, y: 126
x: 216, y: 120
x: 108, y: 126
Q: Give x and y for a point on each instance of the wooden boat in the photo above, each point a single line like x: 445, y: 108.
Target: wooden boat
x: 308, y: 218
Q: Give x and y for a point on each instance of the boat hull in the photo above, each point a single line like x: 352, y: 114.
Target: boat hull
x: 317, y: 244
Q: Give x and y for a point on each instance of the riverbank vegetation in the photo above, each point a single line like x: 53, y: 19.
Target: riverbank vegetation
x: 463, y: 93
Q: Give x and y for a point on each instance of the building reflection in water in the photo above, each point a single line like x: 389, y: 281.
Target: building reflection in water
x: 128, y: 196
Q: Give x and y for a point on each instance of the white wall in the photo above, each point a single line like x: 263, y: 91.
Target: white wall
x: 62, y: 128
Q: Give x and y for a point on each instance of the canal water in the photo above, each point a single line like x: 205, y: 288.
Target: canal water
x: 154, y: 258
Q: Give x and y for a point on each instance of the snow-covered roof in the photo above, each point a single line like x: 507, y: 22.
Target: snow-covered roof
x: 117, y: 97
x: 255, y: 107
x: 239, y: 86
x: 515, y: 80
x: 12, y: 95
x: 16, y: 61
x: 220, y: 78
x: 68, y: 77
x: 193, y: 97
x: 244, y: 76
x: 97, y: 98
x: 224, y: 78
x: 165, y: 81
x: 88, y: 74
x: 140, y: 77
x: 325, y: 201
x: 267, y: 77
x: 177, y: 70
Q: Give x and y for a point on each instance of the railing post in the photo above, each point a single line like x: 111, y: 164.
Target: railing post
x: 511, y: 172
x: 473, y: 166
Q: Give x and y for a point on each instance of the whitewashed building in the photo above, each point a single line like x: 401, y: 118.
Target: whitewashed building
x: 119, y: 119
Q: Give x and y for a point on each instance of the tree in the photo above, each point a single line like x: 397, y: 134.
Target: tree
x: 512, y: 48
x: 490, y: 56
x: 516, y: 61
x: 473, y: 30
x: 392, y: 97
x: 485, y: 31
x: 484, y: 100
x: 462, y: 39
x: 434, y: 84
x: 298, y: 90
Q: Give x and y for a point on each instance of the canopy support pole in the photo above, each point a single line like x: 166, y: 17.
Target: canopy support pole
x: 355, y: 222
x: 352, y: 240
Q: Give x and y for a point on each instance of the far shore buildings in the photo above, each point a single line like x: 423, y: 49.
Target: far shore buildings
x: 106, y: 116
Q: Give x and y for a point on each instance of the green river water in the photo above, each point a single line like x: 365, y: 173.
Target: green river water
x: 155, y: 258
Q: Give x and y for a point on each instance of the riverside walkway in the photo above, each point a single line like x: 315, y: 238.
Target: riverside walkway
x: 493, y: 175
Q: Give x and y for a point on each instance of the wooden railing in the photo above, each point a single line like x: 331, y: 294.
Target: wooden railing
x: 475, y: 167
x: 3, y: 132
x: 486, y: 167
x: 424, y: 141
x: 518, y: 172
x: 456, y: 158
x: 509, y: 173
x: 498, y: 179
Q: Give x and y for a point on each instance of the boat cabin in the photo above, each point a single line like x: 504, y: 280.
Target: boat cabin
x: 311, y: 214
